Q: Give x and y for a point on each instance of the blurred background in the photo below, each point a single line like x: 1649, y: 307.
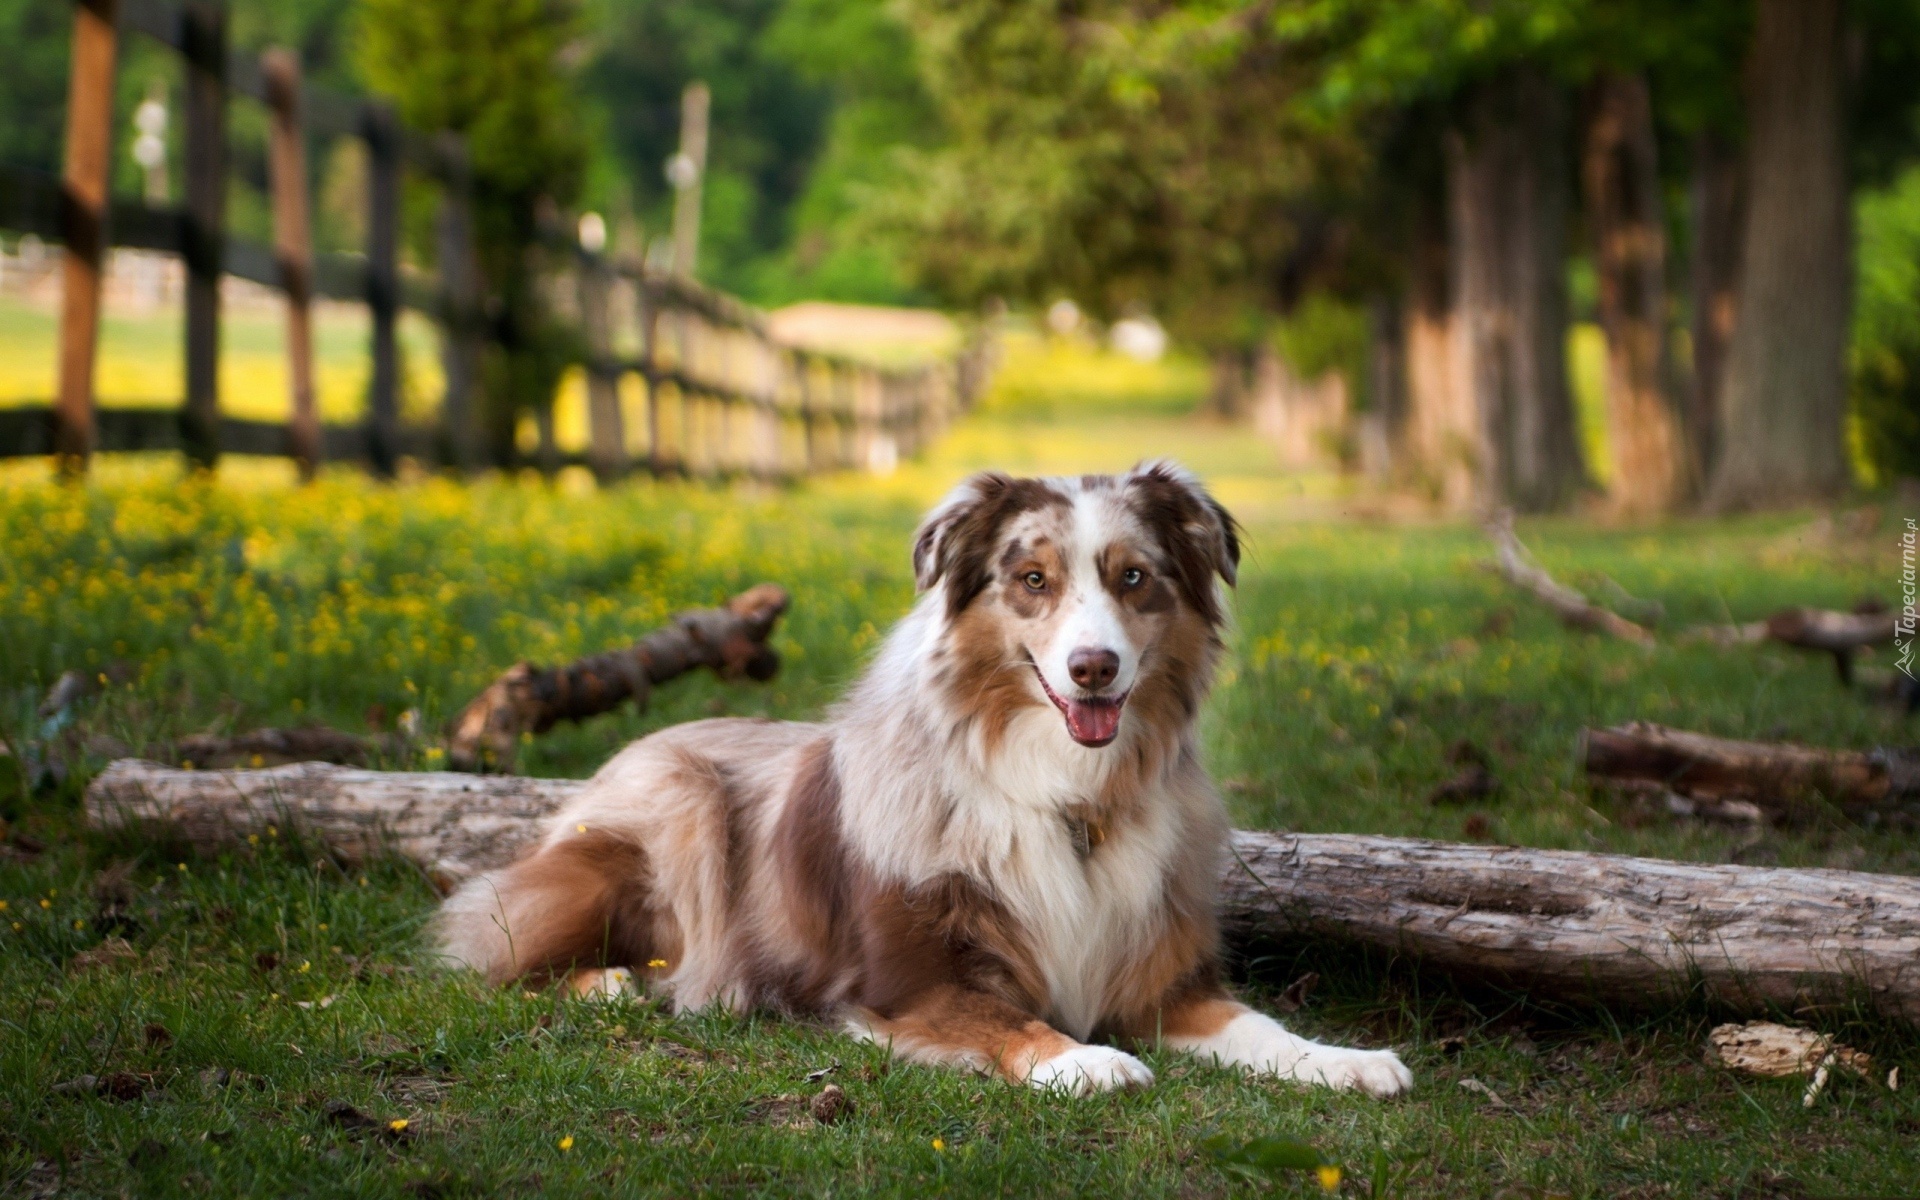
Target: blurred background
x: 1630, y: 256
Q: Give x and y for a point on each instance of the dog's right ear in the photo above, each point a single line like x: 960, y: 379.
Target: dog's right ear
x: 946, y: 528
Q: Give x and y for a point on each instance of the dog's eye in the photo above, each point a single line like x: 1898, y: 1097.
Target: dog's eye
x: 1132, y: 576
x: 1035, y: 580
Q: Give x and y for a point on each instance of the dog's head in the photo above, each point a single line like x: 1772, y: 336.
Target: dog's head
x: 1085, y: 593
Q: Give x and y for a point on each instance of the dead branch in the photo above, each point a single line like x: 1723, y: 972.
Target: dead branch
x: 1518, y: 567
x: 732, y: 641
x: 1582, y: 926
x: 1781, y: 780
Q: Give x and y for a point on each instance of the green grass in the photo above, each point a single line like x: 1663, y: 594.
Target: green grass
x: 1362, y: 651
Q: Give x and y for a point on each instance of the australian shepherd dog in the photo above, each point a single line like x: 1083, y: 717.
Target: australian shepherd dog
x: 1000, y: 852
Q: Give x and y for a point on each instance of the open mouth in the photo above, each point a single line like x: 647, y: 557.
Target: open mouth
x: 1094, y: 721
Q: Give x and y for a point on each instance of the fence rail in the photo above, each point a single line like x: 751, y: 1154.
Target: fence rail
x: 721, y: 396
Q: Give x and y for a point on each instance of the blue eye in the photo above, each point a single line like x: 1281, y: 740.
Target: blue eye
x: 1132, y: 576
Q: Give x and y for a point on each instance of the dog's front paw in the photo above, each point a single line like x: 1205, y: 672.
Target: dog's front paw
x: 1084, y: 1070
x: 1376, y: 1072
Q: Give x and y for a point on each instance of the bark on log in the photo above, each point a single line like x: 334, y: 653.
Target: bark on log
x: 1600, y: 926
x: 452, y: 824
x: 1781, y: 779
x: 529, y: 699
x: 1516, y: 565
x: 1579, y: 926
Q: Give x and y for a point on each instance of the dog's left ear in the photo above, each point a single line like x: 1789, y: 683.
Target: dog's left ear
x: 1197, y: 531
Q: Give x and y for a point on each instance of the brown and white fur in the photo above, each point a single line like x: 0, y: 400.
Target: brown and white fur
x: 998, y: 852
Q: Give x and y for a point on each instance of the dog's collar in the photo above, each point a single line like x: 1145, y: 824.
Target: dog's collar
x: 1085, y: 835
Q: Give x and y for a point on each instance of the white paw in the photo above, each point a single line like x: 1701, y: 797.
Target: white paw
x: 1084, y: 1070
x: 1376, y: 1072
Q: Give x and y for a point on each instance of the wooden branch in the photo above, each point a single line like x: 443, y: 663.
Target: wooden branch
x: 732, y: 641
x: 1579, y: 926
x: 1781, y: 779
x: 1839, y: 634
x: 1517, y: 566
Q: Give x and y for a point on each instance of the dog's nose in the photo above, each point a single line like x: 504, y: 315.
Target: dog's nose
x: 1093, y: 667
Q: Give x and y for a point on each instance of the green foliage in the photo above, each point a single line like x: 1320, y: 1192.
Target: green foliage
x: 767, y: 121
x: 33, y: 88
x: 1119, y: 155
x: 861, y: 53
x: 492, y: 71
x: 1885, y: 354
x: 1325, y: 334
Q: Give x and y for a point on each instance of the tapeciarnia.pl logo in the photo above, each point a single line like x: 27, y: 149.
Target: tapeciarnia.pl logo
x: 1903, y: 629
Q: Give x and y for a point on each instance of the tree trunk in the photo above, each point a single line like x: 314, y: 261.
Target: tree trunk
x: 1508, y: 195
x: 1717, y: 206
x: 1621, y: 176
x: 1784, y: 395
x: 1228, y: 383
x: 1438, y: 441
x: 1584, y: 926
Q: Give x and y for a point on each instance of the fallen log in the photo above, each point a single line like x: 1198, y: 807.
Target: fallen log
x: 732, y: 641
x: 1518, y: 567
x: 1782, y: 780
x: 1580, y: 926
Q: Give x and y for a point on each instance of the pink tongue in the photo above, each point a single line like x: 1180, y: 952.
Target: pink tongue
x: 1092, y: 722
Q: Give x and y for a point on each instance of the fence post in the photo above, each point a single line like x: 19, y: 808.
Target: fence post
x: 461, y: 310
x: 382, y: 136
x: 803, y: 372
x: 648, y: 306
x: 293, y: 247
x: 203, y: 237
x: 687, y: 172
x: 83, y: 221
x: 608, y: 438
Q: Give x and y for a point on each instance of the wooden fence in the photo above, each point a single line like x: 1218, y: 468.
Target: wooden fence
x: 721, y: 396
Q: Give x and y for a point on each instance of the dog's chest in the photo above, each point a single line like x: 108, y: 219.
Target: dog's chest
x: 1090, y: 900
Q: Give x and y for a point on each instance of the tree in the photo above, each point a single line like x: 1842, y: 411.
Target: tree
x: 768, y: 121
x: 1784, y: 392
x: 1124, y: 157
x: 1621, y: 177
x: 1508, y: 206
x: 491, y: 71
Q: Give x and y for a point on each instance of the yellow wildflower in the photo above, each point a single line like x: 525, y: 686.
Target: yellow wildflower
x: 305, y: 966
x: 939, y: 1145
x: 1329, y: 1176
x: 656, y: 963
x: 397, y: 1124
x: 566, y: 1143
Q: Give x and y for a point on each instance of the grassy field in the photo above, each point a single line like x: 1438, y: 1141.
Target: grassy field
x: 269, y: 984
